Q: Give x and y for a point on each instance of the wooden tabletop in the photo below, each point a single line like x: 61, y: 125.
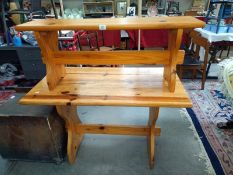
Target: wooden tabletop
x: 110, y: 87
x: 177, y: 22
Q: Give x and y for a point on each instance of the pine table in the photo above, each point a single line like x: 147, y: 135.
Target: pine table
x: 67, y: 87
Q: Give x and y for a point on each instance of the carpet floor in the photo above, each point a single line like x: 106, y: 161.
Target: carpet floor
x: 209, y: 113
x: 178, y: 149
x: 5, y: 95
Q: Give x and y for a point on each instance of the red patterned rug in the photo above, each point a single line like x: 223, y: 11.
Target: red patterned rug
x: 5, y: 95
x: 210, y: 114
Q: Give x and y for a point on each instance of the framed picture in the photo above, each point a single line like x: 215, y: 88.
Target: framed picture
x: 131, y: 11
x: 121, y: 7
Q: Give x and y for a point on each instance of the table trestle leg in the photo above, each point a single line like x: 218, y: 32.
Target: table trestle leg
x: 174, y: 42
x: 69, y: 114
x: 76, y: 130
x: 48, y: 42
x: 153, y: 116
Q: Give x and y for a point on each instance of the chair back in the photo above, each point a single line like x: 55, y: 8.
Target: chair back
x: 87, y: 40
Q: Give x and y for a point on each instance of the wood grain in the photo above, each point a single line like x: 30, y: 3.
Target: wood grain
x: 153, y: 116
x: 48, y: 42
x: 45, y: 53
x: 112, y: 23
x: 46, y: 33
x: 69, y: 114
x: 116, y: 129
x: 110, y: 86
x: 199, y: 41
x: 70, y: 87
x: 174, y: 42
x: 114, y: 57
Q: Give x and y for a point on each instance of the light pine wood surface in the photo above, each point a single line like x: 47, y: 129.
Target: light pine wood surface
x: 153, y: 116
x: 67, y: 88
x: 110, y: 87
x: 181, y: 22
x: 46, y: 32
x: 69, y: 114
x: 146, y: 57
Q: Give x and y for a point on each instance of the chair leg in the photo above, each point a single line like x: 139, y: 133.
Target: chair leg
x: 205, y: 71
x: 228, y: 51
x: 194, y: 75
x: 180, y: 72
x: 220, y: 56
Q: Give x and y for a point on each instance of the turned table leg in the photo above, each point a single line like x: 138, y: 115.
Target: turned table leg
x: 153, y: 116
x: 69, y: 114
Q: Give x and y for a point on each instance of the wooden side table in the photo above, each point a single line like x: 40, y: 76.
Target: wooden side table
x: 67, y: 88
x: 211, y: 48
x: 197, y: 40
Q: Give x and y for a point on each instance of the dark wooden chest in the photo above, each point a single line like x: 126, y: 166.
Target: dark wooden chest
x: 31, y: 133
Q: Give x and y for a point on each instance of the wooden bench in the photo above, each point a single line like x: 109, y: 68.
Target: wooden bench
x: 67, y: 88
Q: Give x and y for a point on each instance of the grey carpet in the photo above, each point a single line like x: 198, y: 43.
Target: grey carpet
x: 177, y: 149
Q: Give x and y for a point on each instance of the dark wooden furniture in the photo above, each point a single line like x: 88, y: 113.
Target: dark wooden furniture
x: 211, y: 50
x: 26, y: 58
x: 191, y: 61
x: 31, y: 133
x: 90, y: 40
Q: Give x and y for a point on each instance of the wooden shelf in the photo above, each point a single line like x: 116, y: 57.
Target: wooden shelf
x: 98, y: 3
x: 98, y: 13
x: 90, y: 6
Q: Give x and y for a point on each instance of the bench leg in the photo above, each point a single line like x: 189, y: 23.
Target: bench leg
x: 153, y: 116
x: 69, y: 114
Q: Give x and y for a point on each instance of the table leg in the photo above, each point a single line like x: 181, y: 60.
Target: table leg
x: 213, y: 50
x: 54, y: 72
x: 174, y: 41
x: 153, y: 116
x: 69, y: 114
x: 204, y: 74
